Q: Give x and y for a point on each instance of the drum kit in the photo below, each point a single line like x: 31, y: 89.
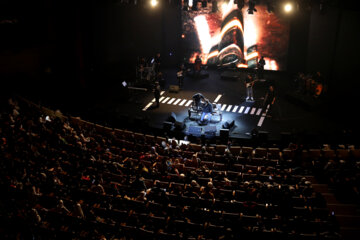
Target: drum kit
x: 145, y: 72
x: 311, y: 86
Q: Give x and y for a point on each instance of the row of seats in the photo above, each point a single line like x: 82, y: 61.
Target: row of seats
x: 67, y: 178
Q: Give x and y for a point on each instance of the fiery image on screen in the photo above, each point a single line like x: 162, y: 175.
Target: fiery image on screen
x: 224, y: 35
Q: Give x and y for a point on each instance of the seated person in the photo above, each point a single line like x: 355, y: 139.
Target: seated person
x: 207, y: 111
x: 197, y: 100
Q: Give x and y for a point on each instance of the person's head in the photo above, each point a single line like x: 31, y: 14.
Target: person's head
x: 203, y: 149
x: 194, y: 183
x: 271, y: 88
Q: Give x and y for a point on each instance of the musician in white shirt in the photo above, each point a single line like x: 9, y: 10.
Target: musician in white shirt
x: 249, y: 83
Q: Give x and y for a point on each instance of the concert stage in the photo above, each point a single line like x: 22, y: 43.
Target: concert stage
x: 119, y: 107
x: 287, y: 116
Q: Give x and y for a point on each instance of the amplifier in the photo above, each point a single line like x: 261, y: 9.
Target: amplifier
x: 210, y: 129
x: 174, y: 88
x: 195, y: 131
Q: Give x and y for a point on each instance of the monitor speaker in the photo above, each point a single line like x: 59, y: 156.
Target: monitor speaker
x: 179, y: 125
x: 167, y: 125
x: 224, y: 133
x: 172, y: 118
x: 228, y: 124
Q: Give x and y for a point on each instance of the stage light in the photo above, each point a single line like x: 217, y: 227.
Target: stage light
x: 270, y: 6
x: 288, y: 7
x: 190, y: 3
x: 252, y: 8
x: 154, y: 3
x: 240, y: 3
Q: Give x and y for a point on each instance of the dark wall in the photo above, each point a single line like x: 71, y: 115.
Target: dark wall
x: 334, y: 47
x: 122, y: 33
x: 298, y: 41
x: 85, y: 42
x: 322, y: 40
x: 346, y: 63
x: 23, y: 33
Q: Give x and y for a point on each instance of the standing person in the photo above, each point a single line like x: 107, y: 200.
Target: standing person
x: 197, y: 100
x: 157, y: 93
x: 180, y: 75
x: 269, y: 100
x: 197, y: 66
x: 261, y: 65
x: 249, y: 83
x: 160, y: 78
x: 157, y: 61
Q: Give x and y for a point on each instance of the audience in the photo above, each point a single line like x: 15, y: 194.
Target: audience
x: 62, y: 179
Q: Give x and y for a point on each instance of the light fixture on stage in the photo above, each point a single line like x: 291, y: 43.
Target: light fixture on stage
x: 191, y: 3
x: 270, y: 6
x: 214, y: 6
x: 154, y: 3
x: 240, y: 3
x: 288, y: 7
x: 224, y: 135
x: 251, y: 8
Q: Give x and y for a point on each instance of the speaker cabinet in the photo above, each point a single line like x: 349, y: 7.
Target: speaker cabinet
x: 174, y: 88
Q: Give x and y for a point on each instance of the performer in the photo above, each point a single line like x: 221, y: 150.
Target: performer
x: 197, y: 100
x: 269, y: 100
x: 160, y: 78
x: 157, y: 63
x: 197, y: 65
x: 249, y: 83
x: 261, y: 65
x: 206, y: 113
x: 180, y: 75
x: 156, y: 91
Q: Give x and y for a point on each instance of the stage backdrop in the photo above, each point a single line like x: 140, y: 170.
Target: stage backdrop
x: 224, y: 35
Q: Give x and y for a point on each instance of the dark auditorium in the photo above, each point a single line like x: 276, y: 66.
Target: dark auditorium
x: 179, y: 119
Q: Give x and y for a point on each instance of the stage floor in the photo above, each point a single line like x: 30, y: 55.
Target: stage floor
x: 110, y: 106
x: 230, y: 93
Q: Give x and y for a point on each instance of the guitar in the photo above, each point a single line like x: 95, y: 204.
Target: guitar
x: 318, y: 89
x: 179, y: 73
x: 250, y: 84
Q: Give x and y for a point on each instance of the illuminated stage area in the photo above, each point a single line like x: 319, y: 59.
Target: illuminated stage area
x: 229, y: 93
